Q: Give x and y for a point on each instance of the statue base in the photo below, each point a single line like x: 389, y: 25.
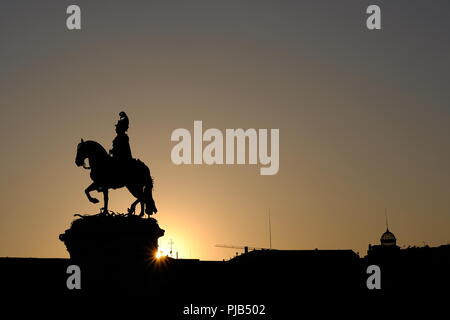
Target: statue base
x: 111, y: 237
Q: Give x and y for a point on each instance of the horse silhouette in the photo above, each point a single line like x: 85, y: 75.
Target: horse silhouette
x: 107, y: 174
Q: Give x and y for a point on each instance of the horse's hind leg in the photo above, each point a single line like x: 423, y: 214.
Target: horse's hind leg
x: 139, y: 195
x: 142, y: 206
x: 133, y: 207
x: 141, y: 200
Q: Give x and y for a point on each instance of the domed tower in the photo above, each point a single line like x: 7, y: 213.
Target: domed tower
x: 387, y: 247
x: 388, y: 239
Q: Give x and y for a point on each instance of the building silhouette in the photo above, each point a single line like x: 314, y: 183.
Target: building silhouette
x: 409, y: 270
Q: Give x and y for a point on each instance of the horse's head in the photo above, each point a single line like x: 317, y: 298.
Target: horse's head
x: 81, y: 154
x: 91, y: 150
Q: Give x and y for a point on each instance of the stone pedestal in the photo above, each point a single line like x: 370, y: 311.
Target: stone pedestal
x: 112, y: 238
x: 115, y: 252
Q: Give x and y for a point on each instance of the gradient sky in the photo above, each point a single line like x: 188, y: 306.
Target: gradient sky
x: 364, y: 119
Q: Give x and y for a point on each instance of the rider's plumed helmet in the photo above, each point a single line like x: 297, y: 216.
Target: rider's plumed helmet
x: 123, y: 122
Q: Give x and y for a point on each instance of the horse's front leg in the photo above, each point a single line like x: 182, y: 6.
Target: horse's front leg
x: 87, y: 191
x: 105, y: 198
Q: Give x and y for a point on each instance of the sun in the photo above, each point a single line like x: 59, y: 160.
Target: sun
x: 161, y: 253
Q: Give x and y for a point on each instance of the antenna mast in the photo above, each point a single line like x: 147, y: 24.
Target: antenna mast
x: 270, y: 232
x: 385, y: 214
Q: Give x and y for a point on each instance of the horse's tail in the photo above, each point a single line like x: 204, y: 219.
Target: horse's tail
x: 150, y: 207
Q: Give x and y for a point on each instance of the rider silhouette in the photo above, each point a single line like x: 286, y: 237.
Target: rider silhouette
x: 121, y: 151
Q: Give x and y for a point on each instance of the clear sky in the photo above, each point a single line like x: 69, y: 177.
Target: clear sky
x: 364, y: 119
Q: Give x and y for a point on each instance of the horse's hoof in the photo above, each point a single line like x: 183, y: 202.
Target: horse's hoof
x: 93, y: 200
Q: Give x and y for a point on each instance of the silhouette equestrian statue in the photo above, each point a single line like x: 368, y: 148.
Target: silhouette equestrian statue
x: 117, y: 170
